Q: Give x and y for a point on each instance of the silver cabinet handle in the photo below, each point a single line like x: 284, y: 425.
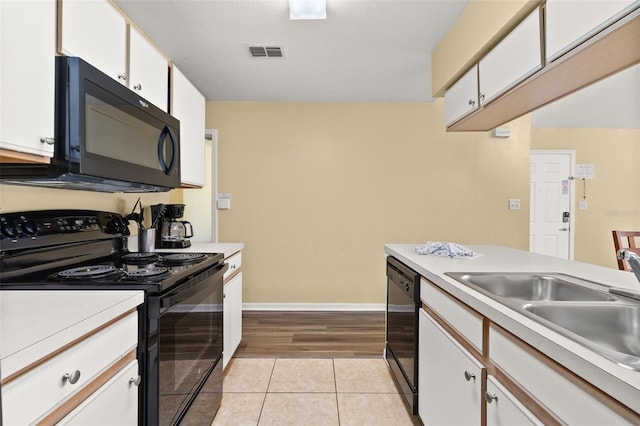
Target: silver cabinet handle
x: 71, y: 378
x: 468, y: 376
x: 122, y: 76
x: 563, y: 229
x: 490, y: 397
x: 48, y: 141
x: 472, y: 102
x: 137, y: 86
x: 482, y: 96
x: 135, y: 380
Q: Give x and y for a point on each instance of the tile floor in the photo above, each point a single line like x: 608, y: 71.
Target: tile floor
x: 323, y: 392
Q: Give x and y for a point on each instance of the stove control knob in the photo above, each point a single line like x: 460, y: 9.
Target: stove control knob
x: 30, y: 228
x: 9, y: 230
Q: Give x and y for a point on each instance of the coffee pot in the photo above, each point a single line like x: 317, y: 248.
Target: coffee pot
x: 171, y: 232
x: 176, y: 230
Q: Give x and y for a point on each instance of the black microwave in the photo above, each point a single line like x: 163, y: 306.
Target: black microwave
x: 107, y: 138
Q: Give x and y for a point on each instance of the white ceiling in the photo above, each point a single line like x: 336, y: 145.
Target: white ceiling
x: 366, y: 50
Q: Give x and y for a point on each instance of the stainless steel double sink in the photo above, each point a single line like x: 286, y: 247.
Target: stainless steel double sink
x: 581, y: 310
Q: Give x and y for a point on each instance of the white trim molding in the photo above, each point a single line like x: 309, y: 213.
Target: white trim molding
x: 346, y: 307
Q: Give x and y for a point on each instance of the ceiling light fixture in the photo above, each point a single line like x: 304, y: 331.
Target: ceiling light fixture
x: 307, y: 9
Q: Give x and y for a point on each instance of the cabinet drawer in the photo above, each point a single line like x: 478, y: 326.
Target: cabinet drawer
x: 235, y: 262
x: 564, y: 398
x: 466, y: 322
x: 115, y: 403
x: 41, y: 389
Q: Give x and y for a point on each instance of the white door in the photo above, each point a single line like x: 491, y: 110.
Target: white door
x: 551, y: 216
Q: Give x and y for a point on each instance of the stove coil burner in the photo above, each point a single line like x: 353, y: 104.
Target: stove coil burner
x: 183, y: 258
x: 141, y: 257
x: 89, y: 272
x: 147, y: 272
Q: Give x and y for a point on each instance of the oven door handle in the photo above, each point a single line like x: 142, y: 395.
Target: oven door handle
x: 193, y: 286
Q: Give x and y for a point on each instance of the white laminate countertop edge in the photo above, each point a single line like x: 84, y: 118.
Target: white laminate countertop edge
x: 618, y: 381
x: 227, y: 249
x: 35, y: 323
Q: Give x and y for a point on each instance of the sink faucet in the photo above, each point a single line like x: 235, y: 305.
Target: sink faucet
x: 632, y: 259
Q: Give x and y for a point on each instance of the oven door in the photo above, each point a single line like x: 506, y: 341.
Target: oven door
x: 190, y: 343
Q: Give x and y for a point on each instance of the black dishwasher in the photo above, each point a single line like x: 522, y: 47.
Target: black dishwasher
x: 401, y: 351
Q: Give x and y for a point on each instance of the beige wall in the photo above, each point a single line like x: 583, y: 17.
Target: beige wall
x: 15, y: 198
x: 319, y: 188
x: 613, y: 196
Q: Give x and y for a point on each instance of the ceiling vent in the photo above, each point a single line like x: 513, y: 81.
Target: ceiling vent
x: 266, y: 52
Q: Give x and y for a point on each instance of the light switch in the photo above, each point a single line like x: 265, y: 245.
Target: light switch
x: 514, y: 204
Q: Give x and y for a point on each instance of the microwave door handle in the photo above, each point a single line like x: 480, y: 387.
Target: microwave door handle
x: 166, y: 168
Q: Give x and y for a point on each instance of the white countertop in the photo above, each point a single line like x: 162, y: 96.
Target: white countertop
x: 227, y: 249
x: 34, y: 324
x: 618, y: 381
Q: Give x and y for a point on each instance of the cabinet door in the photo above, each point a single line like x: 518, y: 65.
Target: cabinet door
x: 569, y: 22
x: 503, y: 409
x: 462, y: 98
x: 188, y: 106
x: 148, y: 70
x: 96, y: 32
x: 232, y: 319
x: 449, y: 378
x: 115, y: 403
x: 27, y: 70
x: 514, y: 59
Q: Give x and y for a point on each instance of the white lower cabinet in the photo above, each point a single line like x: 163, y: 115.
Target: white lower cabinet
x: 503, y: 409
x: 449, y: 378
x: 115, y: 403
x: 232, y: 318
x: 568, y: 401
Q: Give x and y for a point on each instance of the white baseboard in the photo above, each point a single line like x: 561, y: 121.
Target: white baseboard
x: 314, y: 307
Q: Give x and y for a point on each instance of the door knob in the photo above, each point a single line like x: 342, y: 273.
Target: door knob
x: 468, y: 376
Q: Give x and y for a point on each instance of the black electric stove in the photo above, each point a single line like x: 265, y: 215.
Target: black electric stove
x: 86, y: 250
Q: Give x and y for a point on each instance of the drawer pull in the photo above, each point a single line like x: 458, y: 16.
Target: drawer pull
x: 135, y: 380
x: 468, y: 376
x: 71, y: 378
x: 490, y: 397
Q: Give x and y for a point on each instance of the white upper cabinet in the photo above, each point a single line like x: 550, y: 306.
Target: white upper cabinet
x: 96, y: 32
x: 148, y: 70
x: 569, y: 22
x: 462, y: 98
x: 27, y: 70
x: 188, y: 106
x: 514, y: 59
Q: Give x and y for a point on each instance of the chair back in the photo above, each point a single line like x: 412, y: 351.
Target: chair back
x: 626, y: 240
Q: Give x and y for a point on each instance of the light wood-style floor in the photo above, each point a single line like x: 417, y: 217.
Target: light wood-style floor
x: 311, y: 334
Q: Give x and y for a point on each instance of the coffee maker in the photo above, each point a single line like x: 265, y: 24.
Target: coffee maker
x: 170, y: 232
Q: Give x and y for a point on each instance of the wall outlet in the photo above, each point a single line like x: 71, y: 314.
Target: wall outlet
x: 514, y: 204
x: 582, y: 205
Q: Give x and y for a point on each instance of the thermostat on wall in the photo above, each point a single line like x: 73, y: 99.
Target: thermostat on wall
x: 223, y: 202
